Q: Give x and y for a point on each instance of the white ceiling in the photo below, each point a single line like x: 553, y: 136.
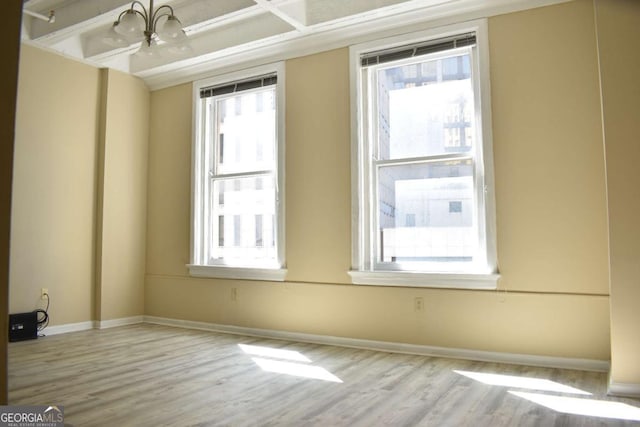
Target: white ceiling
x: 227, y: 34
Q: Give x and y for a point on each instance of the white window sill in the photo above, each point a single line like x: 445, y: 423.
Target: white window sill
x: 241, y: 273
x: 425, y: 280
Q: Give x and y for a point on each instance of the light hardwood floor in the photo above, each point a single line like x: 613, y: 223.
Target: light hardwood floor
x: 149, y: 375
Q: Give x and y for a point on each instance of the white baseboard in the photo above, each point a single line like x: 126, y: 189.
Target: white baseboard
x: 123, y: 321
x: 623, y: 389
x: 91, y: 324
x: 424, y: 350
x: 68, y: 327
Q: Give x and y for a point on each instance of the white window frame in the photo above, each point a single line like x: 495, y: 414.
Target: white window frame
x: 198, y: 267
x: 365, y: 270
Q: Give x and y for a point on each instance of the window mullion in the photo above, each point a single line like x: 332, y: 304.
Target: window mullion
x: 374, y: 214
x: 208, y: 135
x: 364, y: 175
x: 479, y: 172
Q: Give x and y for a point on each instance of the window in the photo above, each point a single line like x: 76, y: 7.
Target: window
x: 422, y: 181
x: 238, y: 209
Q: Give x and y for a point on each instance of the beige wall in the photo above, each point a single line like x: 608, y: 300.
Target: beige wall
x: 169, y: 194
x: 53, y: 216
x: 318, y: 168
x: 618, y: 34
x: 79, y: 190
x: 549, y: 164
x: 10, y: 35
x: 122, y: 196
x: 551, y: 209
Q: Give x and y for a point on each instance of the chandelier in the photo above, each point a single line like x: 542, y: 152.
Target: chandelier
x: 139, y: 24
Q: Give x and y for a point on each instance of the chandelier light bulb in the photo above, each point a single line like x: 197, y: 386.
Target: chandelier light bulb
x: 148, y: 49
x: 130, y: 25
x: 115, y: 39
x: 171, y: 30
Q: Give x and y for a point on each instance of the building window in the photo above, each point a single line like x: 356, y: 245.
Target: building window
x: 455, y: 206
x: 410, y: 220
x: 423, y: 205
x: 238, y: 209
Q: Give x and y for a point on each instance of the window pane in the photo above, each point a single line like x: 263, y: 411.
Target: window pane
x: 425, y: 109
x: 426, y: 213
x: 243, y: 219
x: 246, y: 125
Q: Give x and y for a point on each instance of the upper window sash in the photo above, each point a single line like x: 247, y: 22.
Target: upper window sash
x: 369, y: 79
x: 217, y: 151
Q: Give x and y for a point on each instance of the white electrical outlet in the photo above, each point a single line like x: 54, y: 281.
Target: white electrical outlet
x: 418, y: 304
x: 44, y: 292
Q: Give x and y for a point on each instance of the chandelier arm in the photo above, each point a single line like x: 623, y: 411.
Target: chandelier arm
x: 164, y: 6
x: 124, y: 12
x: 144, y: 17
x: 156, y: 19
x: 157, y: 15
x: 144, y: 13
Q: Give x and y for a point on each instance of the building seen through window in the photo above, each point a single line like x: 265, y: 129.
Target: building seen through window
x: 243, y: 220
x: 426, y: 208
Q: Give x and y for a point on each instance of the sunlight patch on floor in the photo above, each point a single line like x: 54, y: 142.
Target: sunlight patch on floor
x: 521, y: 382
x: 295, y: 369
x: 275, y: 353
x: 586, y: 407
x: 287, y: 362
x: 563, y: 404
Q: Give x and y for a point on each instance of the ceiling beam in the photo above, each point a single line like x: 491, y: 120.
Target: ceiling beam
x: 268, y: 6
